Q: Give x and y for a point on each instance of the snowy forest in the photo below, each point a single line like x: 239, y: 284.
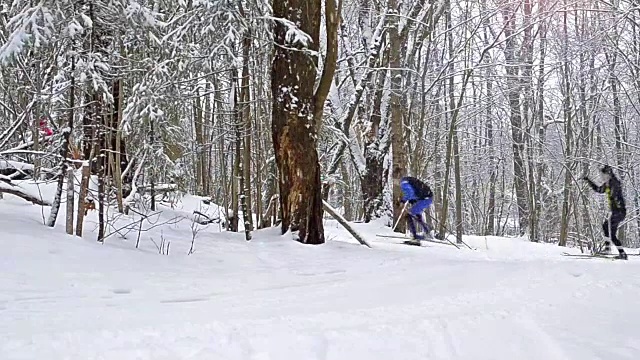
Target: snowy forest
x: 278, y: 110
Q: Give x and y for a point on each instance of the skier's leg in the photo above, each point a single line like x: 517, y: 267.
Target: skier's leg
x: 416, y: 211
x: 616, y: 219
x: 423, y: 214
x: 607, y: 243
x: 412, y: 225
x: 427, y: 229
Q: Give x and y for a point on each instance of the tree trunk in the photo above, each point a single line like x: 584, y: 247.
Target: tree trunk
x: 456, y: 146
x: 566, y: 192
x: 513, y: 94
x: 84, y: 191
x: 235, y: 191
x: 152, y: 177
x: 540, y: 120
x: 493, y: 166
x: 399, y: 154
x: 529, y: 118
x: 64, y: 152
x: 458, y: 181
x: 70, y: 200
x: 247, y: 130
x: 243, y: 203
x: 118, y: 163
x: 584, y: 122
x: 199, y: 145
x: 360, y: 86
x: 617, y: 129
x: 293, y: 125
x: 260, y: 166
x: 372, y: 182
x: 102, y: 168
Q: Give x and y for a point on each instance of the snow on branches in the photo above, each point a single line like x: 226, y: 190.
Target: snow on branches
x: 33, y: 26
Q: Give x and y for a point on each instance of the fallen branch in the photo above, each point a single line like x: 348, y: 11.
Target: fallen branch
x: 27, y: 144
x: 159, y: 189
x: 8, y: 188
x: 344, y: 223
x: 206, y: 221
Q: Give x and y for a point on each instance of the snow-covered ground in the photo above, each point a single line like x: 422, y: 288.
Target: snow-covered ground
x: 63, y: 297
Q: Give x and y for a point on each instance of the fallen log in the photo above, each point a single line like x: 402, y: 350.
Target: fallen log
x: 9, y: 188
x: 344, y: 223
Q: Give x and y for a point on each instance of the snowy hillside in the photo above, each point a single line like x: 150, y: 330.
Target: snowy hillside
x: 66, y: 298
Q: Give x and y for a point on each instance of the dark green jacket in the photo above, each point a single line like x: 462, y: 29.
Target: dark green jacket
x: 613, y: 189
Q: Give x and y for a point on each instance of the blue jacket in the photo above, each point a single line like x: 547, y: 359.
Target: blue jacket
x: 414, y: 189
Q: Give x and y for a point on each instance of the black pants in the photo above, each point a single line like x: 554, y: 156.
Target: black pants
x: 616, y: 218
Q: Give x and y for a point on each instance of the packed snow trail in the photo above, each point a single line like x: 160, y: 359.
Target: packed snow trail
x: 272, y: 298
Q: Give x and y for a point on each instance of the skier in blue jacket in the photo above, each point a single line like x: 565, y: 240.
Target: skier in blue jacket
x: 420, y: 196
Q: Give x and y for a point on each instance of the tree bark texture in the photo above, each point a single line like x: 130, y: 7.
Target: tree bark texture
x: 399, y: 152
x: 293, y: 126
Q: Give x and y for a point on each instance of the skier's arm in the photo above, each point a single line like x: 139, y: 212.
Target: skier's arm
x: 596, y: 188
x: 408, y: 193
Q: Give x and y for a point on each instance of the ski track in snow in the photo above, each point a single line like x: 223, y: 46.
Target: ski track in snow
x: 66, y: 298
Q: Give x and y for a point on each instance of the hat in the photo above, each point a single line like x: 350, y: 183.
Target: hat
x: 606, y: 170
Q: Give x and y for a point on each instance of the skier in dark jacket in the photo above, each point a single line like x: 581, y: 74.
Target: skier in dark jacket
x: 420, y: 196
x: 613, y: 188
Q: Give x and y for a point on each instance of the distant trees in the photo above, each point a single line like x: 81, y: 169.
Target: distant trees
x: 280, y: 106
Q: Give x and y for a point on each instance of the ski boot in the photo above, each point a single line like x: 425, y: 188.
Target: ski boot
x: 415, y: 240
x: 622, y: 255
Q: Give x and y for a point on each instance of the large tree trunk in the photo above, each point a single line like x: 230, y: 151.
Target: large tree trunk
x: 293, y: 125
x: 399, y: 154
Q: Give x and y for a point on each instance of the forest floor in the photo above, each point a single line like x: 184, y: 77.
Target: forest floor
x: 63, y: 297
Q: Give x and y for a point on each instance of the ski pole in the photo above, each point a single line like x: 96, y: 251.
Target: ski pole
x: 449, y: 230
x: 631, y: 218
x: 404, y: 208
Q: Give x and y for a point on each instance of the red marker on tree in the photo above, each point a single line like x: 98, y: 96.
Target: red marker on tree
x: 44, y: 128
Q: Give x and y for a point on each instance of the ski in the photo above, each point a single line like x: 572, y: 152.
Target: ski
x: 407, y: 241
x: 392, y: 236
x: 591, y: 256
x: 404, y: 237
x: 412, y: 243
